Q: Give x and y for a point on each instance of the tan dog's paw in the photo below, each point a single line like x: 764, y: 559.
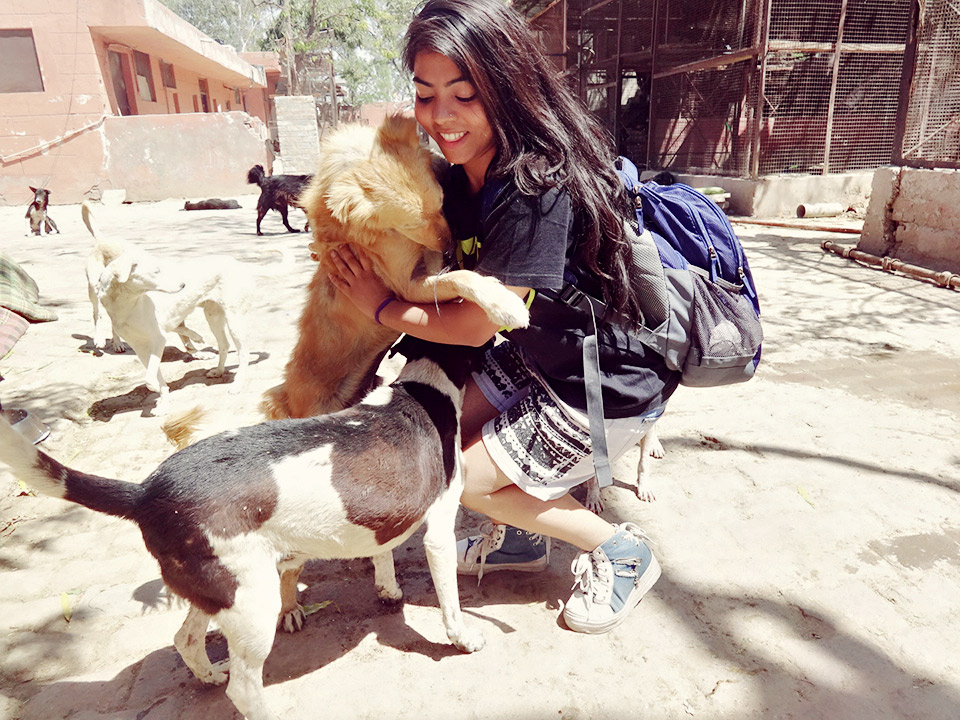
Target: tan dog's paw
x: 292, y: 621
x: 501, y: 305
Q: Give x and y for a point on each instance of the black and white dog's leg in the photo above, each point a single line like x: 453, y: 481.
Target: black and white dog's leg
x: 191, y: 643
x: 250, y: 626
x: 439, y: 541
x: 385, y: 578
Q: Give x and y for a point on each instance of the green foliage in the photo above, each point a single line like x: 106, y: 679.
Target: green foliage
x: 240, y: 23
x: 362, y: 37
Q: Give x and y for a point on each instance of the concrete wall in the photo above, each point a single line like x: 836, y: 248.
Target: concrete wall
x: 779, y: 195
x: 914, y: 215
x: 151, y: 157
x: 191, y: 156
x: 54, y: 138
x: 298, y: 134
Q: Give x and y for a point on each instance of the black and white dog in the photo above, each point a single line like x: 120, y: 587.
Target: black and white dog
x: 37, y: 212
x: 222, y: 515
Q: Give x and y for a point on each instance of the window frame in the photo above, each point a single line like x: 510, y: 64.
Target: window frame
x: 23, y: 73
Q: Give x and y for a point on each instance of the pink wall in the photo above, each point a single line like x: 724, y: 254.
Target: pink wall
x: 56, y: 138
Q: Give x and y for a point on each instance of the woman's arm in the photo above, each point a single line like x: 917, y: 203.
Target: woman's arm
x: 457, y: 322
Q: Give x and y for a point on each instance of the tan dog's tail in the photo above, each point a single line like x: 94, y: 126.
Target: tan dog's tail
x: 183, y: 428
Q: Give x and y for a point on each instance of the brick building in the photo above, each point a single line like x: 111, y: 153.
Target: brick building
x: 125, y: 95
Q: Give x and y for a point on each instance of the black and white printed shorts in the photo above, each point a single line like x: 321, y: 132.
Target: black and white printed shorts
x: 539, y: 442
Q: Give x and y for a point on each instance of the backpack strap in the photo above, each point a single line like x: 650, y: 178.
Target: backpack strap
x: 593, y: 388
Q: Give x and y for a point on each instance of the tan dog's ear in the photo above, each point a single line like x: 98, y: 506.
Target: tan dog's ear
x: 397, y: 133
x: 349, y: 199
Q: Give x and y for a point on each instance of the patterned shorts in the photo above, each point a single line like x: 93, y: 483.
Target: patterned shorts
x: 539, y: 442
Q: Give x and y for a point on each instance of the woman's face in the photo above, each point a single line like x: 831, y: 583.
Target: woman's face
x: 448, y: 108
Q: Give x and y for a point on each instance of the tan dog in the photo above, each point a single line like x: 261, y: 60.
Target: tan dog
x: 374, y: 188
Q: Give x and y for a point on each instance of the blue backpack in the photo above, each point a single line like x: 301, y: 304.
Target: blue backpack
x: 700, y: 307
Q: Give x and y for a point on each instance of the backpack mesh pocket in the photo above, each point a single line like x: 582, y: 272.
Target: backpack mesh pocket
x: 725, y: 331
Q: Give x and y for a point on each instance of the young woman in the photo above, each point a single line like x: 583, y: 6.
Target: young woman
x: 531, y: 195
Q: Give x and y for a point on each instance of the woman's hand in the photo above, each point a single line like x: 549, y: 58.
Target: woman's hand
x: 353, y: 275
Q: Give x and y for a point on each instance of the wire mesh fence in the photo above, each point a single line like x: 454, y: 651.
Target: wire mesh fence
x: 758, y: 87
x: 931, y: 135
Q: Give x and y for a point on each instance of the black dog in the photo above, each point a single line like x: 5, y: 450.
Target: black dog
x: 276, y: 193
x: 37, y: 212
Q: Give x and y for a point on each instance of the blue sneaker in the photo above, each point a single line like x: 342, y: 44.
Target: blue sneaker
x: 610, y: 581
x: 502, y: 547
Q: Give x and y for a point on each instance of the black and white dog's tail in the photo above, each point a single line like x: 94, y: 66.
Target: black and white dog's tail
x: 49, y: 477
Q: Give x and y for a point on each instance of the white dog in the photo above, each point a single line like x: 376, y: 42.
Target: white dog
x: 650, y: 447
x: 147, y: 298
x: 104, y: 251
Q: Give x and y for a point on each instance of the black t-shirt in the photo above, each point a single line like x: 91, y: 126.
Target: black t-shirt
x: 528, y: 242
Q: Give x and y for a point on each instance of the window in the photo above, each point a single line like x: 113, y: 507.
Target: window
x: 144, y: 76
x: 18, y: 58
x: 166, y: 75
x: 204, y: 95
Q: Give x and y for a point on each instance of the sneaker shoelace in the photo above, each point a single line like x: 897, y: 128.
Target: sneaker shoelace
x: 593, y: 575
x: 491, y: 539
x: 594, y: 572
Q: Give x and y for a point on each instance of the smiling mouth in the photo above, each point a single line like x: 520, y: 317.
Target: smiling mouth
x: 452, y: 137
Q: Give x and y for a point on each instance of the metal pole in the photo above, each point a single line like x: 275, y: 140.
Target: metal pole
x: 333, y: 96
x: 906, y: 84
x: 651, y: 111
x: 763, y: 42
x: 831, y: 107
x: 288, y: 50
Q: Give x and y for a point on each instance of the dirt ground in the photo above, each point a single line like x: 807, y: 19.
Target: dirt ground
x: 807, y: 522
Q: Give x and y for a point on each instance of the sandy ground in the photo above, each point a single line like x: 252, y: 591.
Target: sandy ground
x: 808, y: 523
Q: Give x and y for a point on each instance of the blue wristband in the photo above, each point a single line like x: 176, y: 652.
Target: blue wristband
x: 386, y: 301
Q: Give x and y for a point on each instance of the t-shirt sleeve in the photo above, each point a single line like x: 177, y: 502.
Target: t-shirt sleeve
x: 525, y: 240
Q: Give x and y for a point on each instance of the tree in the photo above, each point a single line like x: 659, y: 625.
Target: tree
x: 242, y: 24
x: 361, y: 37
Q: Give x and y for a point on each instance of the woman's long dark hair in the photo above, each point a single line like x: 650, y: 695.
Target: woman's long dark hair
x: 544, y: 134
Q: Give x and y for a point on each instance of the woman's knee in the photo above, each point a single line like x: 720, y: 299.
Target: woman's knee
x: 482, y: 477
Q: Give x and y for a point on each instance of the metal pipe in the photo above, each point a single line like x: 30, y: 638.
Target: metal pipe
x: 794, y: 225
x: 820, y: 209
x: 944, y: 278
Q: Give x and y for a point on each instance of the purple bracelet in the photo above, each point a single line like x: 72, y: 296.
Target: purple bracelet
x: 387, y: 301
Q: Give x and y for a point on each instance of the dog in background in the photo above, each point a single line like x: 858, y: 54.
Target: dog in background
x: 221, y: 515
x: 277, y: 192
x: 103, y: 253
x: 37, y: 212
x: 650, y: 447
x: 374, y: 188
x: 147, y: 298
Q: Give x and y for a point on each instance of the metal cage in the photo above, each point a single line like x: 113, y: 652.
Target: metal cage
x: 757, y: 87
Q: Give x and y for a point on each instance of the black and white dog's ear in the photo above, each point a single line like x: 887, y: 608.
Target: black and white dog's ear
x: 32, y: 189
